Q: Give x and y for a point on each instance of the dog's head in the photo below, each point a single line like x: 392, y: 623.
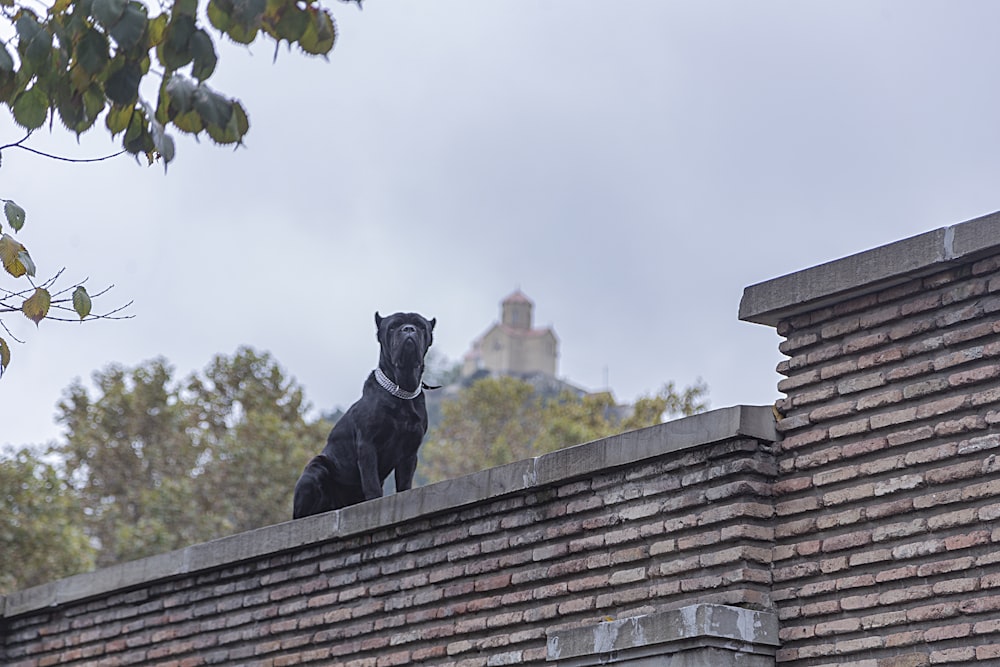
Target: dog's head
x: 405, y: 339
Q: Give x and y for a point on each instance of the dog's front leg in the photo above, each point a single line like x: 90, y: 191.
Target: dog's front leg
x: 404, y: 473
x: 371, y: 485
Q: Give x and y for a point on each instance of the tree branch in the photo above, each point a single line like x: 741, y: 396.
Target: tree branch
x: 20, y: 144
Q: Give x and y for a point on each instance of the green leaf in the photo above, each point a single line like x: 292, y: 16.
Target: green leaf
x: 130, y: 28
x: 93, y: 105
x: 292, y: 24
x: 9, y: 251
x: 36, y: 306
x: 218, y: 16
x: 320, y: 34
x: 108, y: 11
x: 241, y: 34
x: 4, y: 356
x: 31, y: 108
x: 185, y: 7
x: 35, y: 41
x: 92, y: 51
x: 137, y: 137
x: 189, y: 121
x: 6, y: 60
x: 203, y: 52
x: 70, y: 108
x: 118, y: 118
x: 158, y: 29
x: 15, y: 215
x: 122, y: 86
x: 81, y: 301
x: 213, y: 108
x: 175, y: 52
x: 27, y: 27
x: 234, y: 130
x: 248, y: 12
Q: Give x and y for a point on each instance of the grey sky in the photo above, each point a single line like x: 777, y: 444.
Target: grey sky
x: 631, y: 166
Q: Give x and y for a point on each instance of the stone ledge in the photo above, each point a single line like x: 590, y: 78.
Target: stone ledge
x: 521, y: 476
x: 869, y: 271
x: 728, y: 634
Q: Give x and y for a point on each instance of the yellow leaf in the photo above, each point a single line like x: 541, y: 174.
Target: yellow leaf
x: 4, y: 355
x: 9, y: 256
x: 36, y: 306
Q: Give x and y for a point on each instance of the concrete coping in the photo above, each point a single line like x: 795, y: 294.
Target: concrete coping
x: 697, y: 626
x: 518, y: 477
x: 870, y: 271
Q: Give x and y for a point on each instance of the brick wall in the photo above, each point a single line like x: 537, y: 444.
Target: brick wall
x: 867, y: 531
x: 472, y: 572
x: 886, y: 541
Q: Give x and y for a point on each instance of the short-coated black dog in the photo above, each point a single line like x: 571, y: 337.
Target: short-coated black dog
x: 381, y: 432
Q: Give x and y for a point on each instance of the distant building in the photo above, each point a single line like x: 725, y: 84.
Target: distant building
x: 513, y: 346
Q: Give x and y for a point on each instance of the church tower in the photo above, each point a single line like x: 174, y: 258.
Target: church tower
x: 513, y: 346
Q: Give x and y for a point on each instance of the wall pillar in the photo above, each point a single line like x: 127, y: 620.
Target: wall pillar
x: 887, y: 551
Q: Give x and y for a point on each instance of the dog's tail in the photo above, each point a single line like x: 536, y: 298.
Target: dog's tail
x: 314, y: 490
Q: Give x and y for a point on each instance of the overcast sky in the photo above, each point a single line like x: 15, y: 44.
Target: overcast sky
x: 631, y: 166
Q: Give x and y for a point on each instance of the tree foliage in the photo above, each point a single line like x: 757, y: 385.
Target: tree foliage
x: 81, y: 60
x: 41, y: 524
x: 500, y: 420
x: 161, y: 464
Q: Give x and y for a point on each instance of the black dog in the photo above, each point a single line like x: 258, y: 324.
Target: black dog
x: 381, y: 431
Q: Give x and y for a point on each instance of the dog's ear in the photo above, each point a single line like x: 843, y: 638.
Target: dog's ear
x: 433, y: 321
x: 378, y: 321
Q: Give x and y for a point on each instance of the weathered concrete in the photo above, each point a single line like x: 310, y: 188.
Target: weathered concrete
x: 556, y: 467
x: 703, y: 634
x: 870, y: 271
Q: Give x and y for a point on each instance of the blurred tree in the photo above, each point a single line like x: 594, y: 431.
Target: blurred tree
x: 161, y: 464
x: 439, y: 370
x: 41, y: 524
x: 79, y: 60
x: 502, y: 419
x: 258, y: 438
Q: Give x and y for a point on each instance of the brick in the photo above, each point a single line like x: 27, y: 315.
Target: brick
x: 838, y: 369
x: 896, y: 484
x: 910, y: 370
x: 894, y: 417
x: 840, y: 626
x: 909, y: 593
x: 818, y: 458
x: 861, y: 383
x: 952, y: 655
x: 894, y: 531
x: 957, y: 542
x: 796, y: 381
x: 947, y: 361
x: 848, y: 541
x: 853, y: 427
x: 988, y: 652
x: 810, y: 437
x: 941, y: 407
x: 863, y: 447
x: 820, y: 395
x: 932, y: 612
x: 880, y: 358
x: 883, y: 619
x: 851, y: 494
x: 907, y: 660
x: 925, y: 387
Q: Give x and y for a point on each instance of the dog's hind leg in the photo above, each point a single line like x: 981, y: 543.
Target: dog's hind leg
x: 313, y: 490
